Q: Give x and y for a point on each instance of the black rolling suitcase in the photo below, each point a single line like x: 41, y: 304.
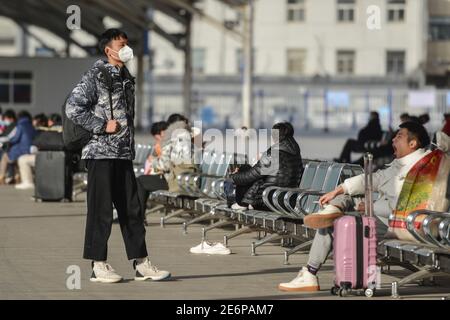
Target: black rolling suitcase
x: 53, y: 176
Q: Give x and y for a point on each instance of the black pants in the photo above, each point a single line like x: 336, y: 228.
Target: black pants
x: 113, y: 182
x: 350, y: 146
x: 147, y: 184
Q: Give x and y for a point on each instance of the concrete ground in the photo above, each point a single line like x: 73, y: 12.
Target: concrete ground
x: 40, y: 241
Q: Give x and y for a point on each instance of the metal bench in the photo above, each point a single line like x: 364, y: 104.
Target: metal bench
x: 306, y: 202
x: 142, y: 152
x: 204, y: 204
x: 427, y: 258
x: 188, y: 183
x: 244, y: 218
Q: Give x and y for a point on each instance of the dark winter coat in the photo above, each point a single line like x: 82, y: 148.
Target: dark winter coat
x: 371, y: 132
x: 281, y: 165
x: 89, y: 106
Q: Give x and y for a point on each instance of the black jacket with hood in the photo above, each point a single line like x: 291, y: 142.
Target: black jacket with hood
x: 281, y: 165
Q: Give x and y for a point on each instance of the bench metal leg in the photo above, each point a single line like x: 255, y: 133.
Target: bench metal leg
x: 156, y: 208
x: 219, y: 224
x: 386, y: 262
x: 243, y: 230
x: 203, y: 217
x: 298, y: 248
x: 171, y: 215
x: 272, y: 237
x: 269, y: 238
x: 419, y: 275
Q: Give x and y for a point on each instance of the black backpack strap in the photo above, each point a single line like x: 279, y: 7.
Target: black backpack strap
x: 109, y: 85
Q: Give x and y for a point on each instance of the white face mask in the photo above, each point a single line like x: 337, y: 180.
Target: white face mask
x: 125, y: 54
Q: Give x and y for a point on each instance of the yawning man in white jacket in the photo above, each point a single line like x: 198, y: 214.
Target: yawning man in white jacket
x: 409, y: 144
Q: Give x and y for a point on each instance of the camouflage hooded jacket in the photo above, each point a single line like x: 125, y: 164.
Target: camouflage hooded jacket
x: 88, y: 106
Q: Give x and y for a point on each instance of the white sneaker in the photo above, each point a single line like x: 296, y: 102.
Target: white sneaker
x: 210, y: 248
x: 305, y: 281
x: 204, y: 245
x: 218, y: 248
x: 24, y: 186
x: 145, y: 270
x: 324, y: 218
x: 103, y: 272
x: 238, y: 207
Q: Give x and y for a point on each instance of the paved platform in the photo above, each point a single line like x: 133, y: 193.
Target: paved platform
x: 39, y: 241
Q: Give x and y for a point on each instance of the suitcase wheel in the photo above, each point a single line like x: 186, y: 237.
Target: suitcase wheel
x: 343, y: 292
x: 369, y: 293
x: 334, y: 291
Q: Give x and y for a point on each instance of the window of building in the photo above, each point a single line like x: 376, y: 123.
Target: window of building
x: 439, y: 28
x: 16, y: 87
x: 296, y: 59
x: 198, y: 60
x: 296, y: 10
x: 395, y: 62
x: 346, y: 62
x: 396, y: 10
x: 346, y: 10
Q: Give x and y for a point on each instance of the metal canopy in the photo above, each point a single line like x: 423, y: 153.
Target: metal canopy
x: 136, y: 22
x: 51, y: 15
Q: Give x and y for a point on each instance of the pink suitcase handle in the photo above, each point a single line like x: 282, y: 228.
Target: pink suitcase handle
x: 368, y: 167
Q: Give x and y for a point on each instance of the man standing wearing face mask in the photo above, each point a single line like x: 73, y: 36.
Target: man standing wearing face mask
x: 103, y: 104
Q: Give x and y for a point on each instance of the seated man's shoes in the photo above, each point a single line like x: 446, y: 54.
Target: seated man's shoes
x: 324, y: 218
x: 305, y: 281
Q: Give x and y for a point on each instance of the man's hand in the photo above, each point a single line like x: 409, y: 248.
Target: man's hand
x: 330, y: 196
x: 112, y: 126
x: 327, y: 198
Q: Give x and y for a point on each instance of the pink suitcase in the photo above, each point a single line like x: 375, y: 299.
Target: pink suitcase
x: 355, y: 247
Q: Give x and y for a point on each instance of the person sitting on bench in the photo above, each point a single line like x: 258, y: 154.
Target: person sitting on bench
x: 409, y: 147
x: 153, y: 178
x: 281, y: 165
x: 370, y: 132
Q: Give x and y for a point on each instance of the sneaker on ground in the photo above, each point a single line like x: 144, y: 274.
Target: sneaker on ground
x: 145, y: 270
x: 204, y: 245
x: 305, y: 281
x: 324, y: 218
x: 104, y: 273
x: 217, y: 248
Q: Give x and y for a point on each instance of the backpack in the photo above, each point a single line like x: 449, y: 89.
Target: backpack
x: 75, y: 137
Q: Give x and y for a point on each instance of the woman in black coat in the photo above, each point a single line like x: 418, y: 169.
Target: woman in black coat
x: 281, y: 165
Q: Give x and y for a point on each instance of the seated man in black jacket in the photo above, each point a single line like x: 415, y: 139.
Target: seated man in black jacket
x: 281, y: 165
x: 370, y: 132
